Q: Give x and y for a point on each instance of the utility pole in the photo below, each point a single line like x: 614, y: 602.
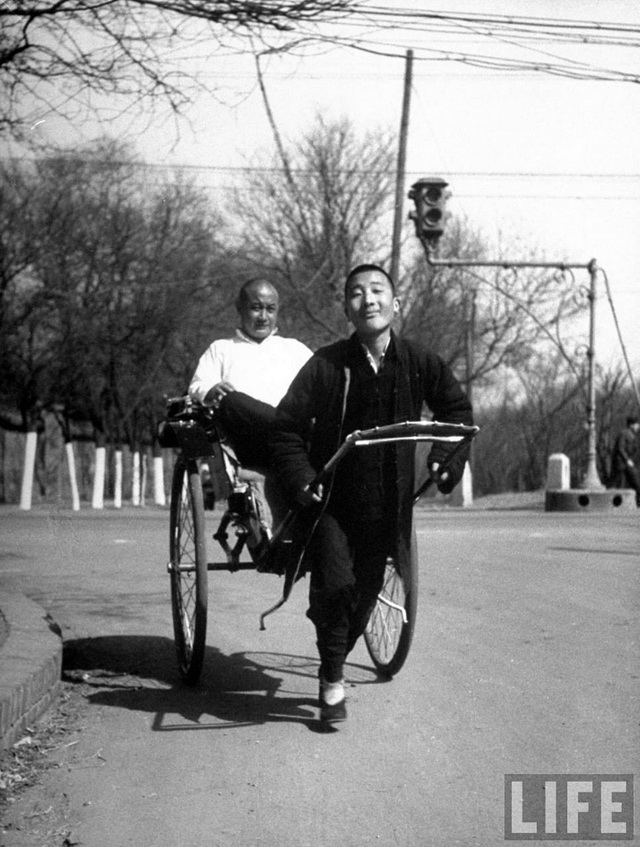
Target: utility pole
x: 591, y: 479
x: 401, y: 169
x: 470, y: 320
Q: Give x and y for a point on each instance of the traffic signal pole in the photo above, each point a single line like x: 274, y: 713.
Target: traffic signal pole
x: 430, y: 197
x: 591, y: 478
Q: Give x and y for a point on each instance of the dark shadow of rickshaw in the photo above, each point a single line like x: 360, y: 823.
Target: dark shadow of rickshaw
x: 237, y: 690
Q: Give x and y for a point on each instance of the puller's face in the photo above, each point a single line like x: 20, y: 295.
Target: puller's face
x: 259, y: 312
x: 370, y: 303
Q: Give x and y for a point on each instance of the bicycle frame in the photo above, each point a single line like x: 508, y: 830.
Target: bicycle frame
x: 193, y: 429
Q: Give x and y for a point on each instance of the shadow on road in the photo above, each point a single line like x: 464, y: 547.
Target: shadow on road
x: 242, y: 689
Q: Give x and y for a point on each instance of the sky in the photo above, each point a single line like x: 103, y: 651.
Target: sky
x: 532, y: 158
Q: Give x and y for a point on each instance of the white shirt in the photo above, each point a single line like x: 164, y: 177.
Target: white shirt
x: 263, y: 370
x: 371, y: 360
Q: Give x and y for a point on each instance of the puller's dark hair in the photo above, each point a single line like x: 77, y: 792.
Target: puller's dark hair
x: 361, y: 269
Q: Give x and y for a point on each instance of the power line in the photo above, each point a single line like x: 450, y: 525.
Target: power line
x: 512, y: 31
x: 569, y: 70
x: 558, y: 28
x: 493, y: 176
x: 190, y: 166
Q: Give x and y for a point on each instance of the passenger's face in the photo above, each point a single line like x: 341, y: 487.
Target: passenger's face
x: 259, y: 312
x: 370, y: 303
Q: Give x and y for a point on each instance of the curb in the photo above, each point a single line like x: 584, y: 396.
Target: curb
x: 30, y: 665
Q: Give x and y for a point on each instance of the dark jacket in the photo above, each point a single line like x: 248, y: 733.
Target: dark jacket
x: 625, y: 449
x: 309, y: 419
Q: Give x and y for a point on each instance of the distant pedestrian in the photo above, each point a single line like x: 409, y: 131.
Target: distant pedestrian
x: 625, y: 458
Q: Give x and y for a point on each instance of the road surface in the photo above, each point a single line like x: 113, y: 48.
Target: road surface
x: 525, y: 660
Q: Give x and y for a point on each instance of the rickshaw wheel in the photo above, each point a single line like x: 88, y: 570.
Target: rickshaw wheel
x: 188, y: 568
x: 388, y: 635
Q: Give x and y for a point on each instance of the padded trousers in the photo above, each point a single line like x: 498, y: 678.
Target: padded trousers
x: 347, y: 561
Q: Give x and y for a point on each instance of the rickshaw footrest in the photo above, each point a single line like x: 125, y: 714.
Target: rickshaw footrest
x: 230, y: 566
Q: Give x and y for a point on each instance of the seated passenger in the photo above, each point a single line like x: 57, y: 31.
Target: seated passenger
x: 246, y: 376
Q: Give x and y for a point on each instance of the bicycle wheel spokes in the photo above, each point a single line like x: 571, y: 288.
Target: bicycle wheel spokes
x: 186, y: 543
x: 389, y: 632
x: 388, y: 617
x: 186, y: 594
x: 188, y: 569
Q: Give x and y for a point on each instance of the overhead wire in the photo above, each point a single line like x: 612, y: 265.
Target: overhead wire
x: 389, y: 32
x: 572, y: 70
x: 512, y: 41
x: 530, y: 34
x: 623, y: 346
x: 528, y: 23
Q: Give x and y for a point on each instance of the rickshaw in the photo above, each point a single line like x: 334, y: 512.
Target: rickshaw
x: 247, y: 543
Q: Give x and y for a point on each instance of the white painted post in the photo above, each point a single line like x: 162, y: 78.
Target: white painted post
x: 97, y: 500
x: 143, y: 477
x: 158, y: 481
x: 462, y: 494
x: 117, y: 494
x: 558, y: 472
x: 73, y: 477
x: 26, y: 493
x: 135, y: 484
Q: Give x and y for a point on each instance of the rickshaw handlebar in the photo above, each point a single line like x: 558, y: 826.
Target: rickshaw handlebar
x: 461, y: 434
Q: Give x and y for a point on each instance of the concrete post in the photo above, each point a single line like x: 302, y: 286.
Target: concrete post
x: 558, y: 472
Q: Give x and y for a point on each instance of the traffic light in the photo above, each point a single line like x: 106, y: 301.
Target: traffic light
x: 430, y: 198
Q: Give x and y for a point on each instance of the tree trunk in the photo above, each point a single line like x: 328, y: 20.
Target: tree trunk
x: 159, y: 495
x: 143, y: 477
x: 462, y: 494
x: 135, y: 493
x: 30, y: 446
x: 97, y: 501
x: 117, y: 490
x: 73, y: 478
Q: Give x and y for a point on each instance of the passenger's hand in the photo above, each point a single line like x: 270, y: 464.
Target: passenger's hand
x: 215, y: 395
x: 308, y: 497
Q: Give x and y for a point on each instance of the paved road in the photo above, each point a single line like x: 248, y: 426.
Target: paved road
x: 526, y: 660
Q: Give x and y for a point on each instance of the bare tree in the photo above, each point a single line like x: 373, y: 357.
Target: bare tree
x: 433, y: 301
x: 98, y: 325
x: 125, y: 266
x: 16, y: 242
x: 25, y: 322
x: 490, y: 320
x: 59, y: 54
x: 311, y: 221
x: 544, y: 413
